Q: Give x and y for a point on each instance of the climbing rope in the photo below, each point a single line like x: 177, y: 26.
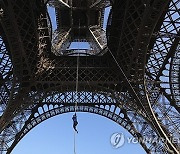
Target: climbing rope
x: 74, y: 142
x: 76, y: 99
x: 77, y: 76
x: 77, y: 79
x: 77, y: 84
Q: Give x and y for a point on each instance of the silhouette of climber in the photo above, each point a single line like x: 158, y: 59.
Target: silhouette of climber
x: 75, y: 122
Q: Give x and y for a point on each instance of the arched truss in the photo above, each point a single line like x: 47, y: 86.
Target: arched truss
x: 87, y: 102
x: 158, y: 45
x: 174, y: 75
x: 162, y: 70
x: 158, y: 72
x: 154, y: 86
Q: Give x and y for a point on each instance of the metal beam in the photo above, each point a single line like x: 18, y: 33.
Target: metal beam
x: 99, y: 3
x: 169, y: 55
x: 59, y: 3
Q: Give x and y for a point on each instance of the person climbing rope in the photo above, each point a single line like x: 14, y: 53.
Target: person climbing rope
x: 75, y: 122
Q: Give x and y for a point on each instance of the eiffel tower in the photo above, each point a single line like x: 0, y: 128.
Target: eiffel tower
x: 130, y: 73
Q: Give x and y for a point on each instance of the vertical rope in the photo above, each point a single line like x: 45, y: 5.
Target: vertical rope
x: 77, y: 98
x: 74, y: 142
x: 77, y: 79
x: 77, y: 72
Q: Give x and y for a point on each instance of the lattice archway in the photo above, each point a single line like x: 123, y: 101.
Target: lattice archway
x: 37, y: 70
x: 96, y: 103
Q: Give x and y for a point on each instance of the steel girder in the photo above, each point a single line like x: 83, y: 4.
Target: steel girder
x: 79, y: 21
x: 6, y: 75
x: 135, y: 31
x: 131, y: 46
x: 116, y: 109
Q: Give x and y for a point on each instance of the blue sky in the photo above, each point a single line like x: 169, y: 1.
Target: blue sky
x: 56, y: 135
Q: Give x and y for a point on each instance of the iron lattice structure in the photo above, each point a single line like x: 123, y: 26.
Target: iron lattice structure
x: 139, y: 89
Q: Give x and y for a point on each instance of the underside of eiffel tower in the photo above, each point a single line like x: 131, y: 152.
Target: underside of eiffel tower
x: 130, y: 73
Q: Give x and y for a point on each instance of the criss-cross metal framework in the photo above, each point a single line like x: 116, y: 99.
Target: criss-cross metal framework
x: 130, y: 74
